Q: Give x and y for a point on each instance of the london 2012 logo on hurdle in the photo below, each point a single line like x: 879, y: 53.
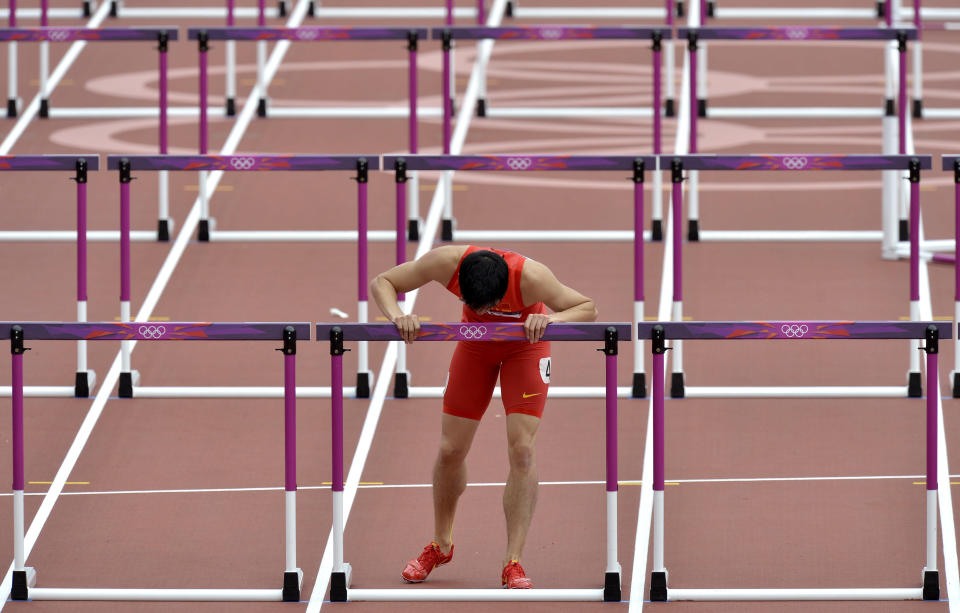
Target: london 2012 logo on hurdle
x: 152, y: 332
x: 794, y: 330
x: 473, y: 332
x: 519, y: 163
x: 58, y: 36
x: 795, y: 162
x: 242, y: 163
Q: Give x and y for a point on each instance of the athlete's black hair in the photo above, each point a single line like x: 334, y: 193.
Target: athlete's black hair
x: 483, y: 279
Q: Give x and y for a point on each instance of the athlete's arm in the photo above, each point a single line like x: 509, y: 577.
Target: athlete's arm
x: 538, y: 284
x: 436, y: 265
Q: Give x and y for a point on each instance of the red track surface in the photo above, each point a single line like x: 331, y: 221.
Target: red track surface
x: 779, y: 533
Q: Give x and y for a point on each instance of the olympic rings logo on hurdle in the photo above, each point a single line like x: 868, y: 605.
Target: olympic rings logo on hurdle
x: 795, y: 162
x: 152, y: 332
x: 472, y: 332
x: 798, y: 33
x: 242, y: 163
x: 519, y: 163
x: 58, y: 35
x: 551, y: 33
x: 305, y: 34
x: 794, y: 330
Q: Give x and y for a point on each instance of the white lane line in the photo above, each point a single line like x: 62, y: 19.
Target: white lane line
x: 153, y: 296
x: 431, y: 224
x: 391, y: 486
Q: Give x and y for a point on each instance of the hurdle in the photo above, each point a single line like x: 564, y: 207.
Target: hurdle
x: 129, y: 379
x: 798, y: 162
x: 610, y: 333
x: 85, y: 378
x: 893, y: 142
x: 24, y: 578
x: 44, y: 35
x: 636, y: 165
x: 952, y: 162
x: 85, y: 10
x: 929, y: 332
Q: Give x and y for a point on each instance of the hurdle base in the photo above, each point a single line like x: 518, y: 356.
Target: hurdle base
x: 339, y: 583
x: 639, y: 385
x: 83, y: 383
x: 292, y: 580
x: 918, y: 109
x: 113, y: 8
x: 262, y: 107
x: 955, y: 379
x: 931, y: 585
x: 693, y: 230
x: 481, y: 107
x: 710, y: 8
x: 231, y: 109
x: 446, y: 230
x: 669, y: 109
x: 44, y: 108
x: 312, y: 9
x: 679, y: 8
x: 904, y: 230
x: 701, y: 107
x: 676, y: 385
x: 401, y: 385
x: 914, y: 386
x: 413, y: 229
x: 508, y: 11
x: 363, y: 384
x: 164, y: 229
x: 889, y: 108
x: 658, y: 586
x: 282, y: 8
x: 656, y: 230
x: 881, y: 9
x: 128, y: 380
x: 611, y: 587
x: 22, y: 581
x: 204, y: 228
x: 11, y: 108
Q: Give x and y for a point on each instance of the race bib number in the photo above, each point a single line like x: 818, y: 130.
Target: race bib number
x: 545, y: 369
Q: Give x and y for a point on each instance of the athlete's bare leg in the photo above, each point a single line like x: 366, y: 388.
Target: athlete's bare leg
x: 520, y: 495
x: 450, y: 475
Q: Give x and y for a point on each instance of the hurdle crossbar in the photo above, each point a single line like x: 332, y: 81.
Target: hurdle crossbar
x: 610, y: 334
x: 204, y: 164
x: 85, y: 378
x: 128, y: 332
x: 928, y: 331
x: 635, y: 165
x: 798, y: 162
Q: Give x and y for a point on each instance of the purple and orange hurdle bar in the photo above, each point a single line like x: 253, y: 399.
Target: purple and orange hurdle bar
x: 659, y: 332
x: 288, y: 333
x: 336, y: 334
x: 242, y: 163
x: 550, y: 33
x: 307, y: 34
x: 635, y: 165
x: 79, y: 165
x: 797, y: 162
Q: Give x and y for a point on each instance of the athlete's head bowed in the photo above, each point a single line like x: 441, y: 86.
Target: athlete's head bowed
x: 483, y: 280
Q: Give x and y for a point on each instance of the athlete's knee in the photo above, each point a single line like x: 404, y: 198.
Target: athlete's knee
x: 522, y: 454
x: 451, y: 453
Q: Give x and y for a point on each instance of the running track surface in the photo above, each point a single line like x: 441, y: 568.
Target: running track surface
x: 737, y: 515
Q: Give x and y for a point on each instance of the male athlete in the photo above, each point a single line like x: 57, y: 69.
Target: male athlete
x: 495, y: 286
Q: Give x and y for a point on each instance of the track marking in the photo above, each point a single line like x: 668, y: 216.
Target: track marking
x: 151, y: 318
x: 51, y: 483
x: 196, y: 188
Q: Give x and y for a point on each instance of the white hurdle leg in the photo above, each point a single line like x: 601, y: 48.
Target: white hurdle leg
x: 163, y: 204
x: 918, y: 78
x: 693, y: 204
x: 12, y: 79
x: 125, y: 346
x: 956, y: 343
x: 656, y: 215
x: 448, y: 201
x: 413, y: 201
x: 638, y: 342
x: 363, y: 347
x: 44, y: 77
x: 890, y: 194
x: 290, y: 517
x: 261, y: 82
x: 402, y: 382
x: 19, y: 559
x: 916, y: 344
x: 931, y: 531
x: 231, y: 76
x: 670, y: 62
x: 701, y: 78
x: 677, y: 315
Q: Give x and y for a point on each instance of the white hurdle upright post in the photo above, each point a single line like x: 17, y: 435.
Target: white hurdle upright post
x: 610, y: 333
x: 12, y: 65
x: 292, y: 575
x: 129, y: 378
x: 927, y: 331
x: 20, y: 571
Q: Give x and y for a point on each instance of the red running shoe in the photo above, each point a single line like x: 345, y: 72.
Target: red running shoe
x: 417, y: 570
x: 514, y: 578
